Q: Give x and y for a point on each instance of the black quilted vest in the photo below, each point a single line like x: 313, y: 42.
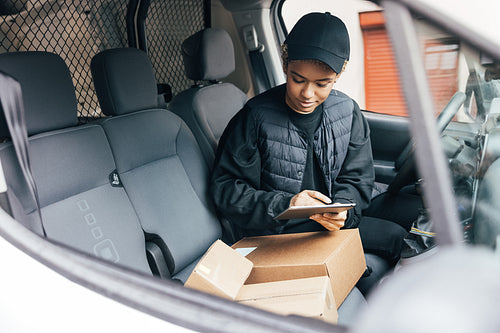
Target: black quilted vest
x: 283, y: 147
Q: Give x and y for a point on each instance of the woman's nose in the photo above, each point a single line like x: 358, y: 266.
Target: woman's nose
x: 308, y: 91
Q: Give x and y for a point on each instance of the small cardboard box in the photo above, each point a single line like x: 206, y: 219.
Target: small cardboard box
x: 311, y: 297
x: 222, y: 271
x: 336, y: 254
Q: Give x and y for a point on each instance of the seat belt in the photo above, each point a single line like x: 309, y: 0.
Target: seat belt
x: 255, y: 53
x: 12, y: 104
x: 259, y: 70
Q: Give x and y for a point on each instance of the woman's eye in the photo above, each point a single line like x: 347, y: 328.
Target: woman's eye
x: 297, y: 80
x: 321, y: 85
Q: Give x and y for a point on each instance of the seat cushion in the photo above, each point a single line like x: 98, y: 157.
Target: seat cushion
x: 79, y: 207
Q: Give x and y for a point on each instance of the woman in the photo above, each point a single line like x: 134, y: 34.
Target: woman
x: 301, y: 143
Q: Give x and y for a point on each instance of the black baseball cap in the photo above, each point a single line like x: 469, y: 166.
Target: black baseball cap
x: 319, y: 36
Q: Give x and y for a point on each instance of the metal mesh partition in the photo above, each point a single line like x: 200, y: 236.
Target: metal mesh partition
x: 78, y: 29
x: 167, y: 25
x: 74, y: 29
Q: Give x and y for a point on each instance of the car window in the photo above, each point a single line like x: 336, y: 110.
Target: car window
x: 471, y: 143
x: 465, y: 87
x: 371, y: 77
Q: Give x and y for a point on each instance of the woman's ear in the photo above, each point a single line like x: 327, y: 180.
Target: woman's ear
x: 342, y: 70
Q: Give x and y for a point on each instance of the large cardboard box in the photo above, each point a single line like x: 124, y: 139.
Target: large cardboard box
x: 311, y: 297
x: 222, y: 271
x: 336, y: 254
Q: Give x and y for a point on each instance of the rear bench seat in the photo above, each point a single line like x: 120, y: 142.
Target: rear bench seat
x: 71, y: 166
x: 163, y: 176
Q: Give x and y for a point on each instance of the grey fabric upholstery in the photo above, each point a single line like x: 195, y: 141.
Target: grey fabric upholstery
x: 110, y: 69
x: 71, y: 168
x: 208, y: 55
x: 163, y: 171
x: 48, y: 103
x: 166, y: 177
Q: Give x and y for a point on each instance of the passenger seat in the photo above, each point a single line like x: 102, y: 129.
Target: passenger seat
x: 158, y: 159
x: 72, y: 167
x: 208, y: 106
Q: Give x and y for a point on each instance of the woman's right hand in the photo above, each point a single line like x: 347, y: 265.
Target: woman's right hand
x: 310, y: 198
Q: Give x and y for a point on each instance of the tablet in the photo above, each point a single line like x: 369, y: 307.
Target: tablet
x: 298, y: 212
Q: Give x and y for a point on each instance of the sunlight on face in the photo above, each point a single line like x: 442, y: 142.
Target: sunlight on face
x: 308, y: 84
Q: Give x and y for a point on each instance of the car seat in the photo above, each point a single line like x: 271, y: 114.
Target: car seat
x: 158, y: 159
x: 71, y: 166
x: 209, y: 104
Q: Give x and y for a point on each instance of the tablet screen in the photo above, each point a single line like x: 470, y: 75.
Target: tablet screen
x: 298, y: 212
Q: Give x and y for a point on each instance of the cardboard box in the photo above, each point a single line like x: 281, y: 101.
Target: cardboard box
x: 336, y: 254
x: 222, y: 271
x: 311, y: 297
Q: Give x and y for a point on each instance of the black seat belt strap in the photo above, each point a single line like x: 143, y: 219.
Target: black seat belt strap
x: 13, y: 109
x: 259, y: 69
x: 255, y: 53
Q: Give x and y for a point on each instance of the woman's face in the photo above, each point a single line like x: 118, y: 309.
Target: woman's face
x: 308, y: 84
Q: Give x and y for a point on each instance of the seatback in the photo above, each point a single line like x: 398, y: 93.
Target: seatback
x: 207, y: 107
x: 71, y: 166
x: 157, y: 158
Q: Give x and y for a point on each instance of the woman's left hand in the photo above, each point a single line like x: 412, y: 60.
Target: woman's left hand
x: 331, y: 221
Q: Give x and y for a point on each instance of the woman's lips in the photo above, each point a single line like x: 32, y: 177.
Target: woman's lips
x: 306, y: 104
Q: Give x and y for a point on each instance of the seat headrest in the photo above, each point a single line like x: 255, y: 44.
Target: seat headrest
x: 124, y: 81
x: 48, y: 93
x: 208, y: 55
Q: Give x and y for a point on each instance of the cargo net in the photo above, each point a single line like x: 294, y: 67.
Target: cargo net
x: 76, y: 30
x: 168, y: 24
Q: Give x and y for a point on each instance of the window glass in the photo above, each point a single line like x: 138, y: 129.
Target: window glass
x: 472, y: 142
x: 371, y: 77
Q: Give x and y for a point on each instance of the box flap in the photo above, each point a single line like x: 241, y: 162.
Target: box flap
x: 284, y: 288
x: 312, y: 297
x: 306, y: 248
x: 221, y: 271
x: 278, y: 272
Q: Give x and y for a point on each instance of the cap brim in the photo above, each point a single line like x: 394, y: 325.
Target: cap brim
x: 303, y: 52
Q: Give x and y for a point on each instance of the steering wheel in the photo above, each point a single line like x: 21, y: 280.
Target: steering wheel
x: 405, y: 163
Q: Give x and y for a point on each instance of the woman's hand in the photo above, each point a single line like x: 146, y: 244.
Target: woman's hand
x: 331, y: 221
x: 310, y: 198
